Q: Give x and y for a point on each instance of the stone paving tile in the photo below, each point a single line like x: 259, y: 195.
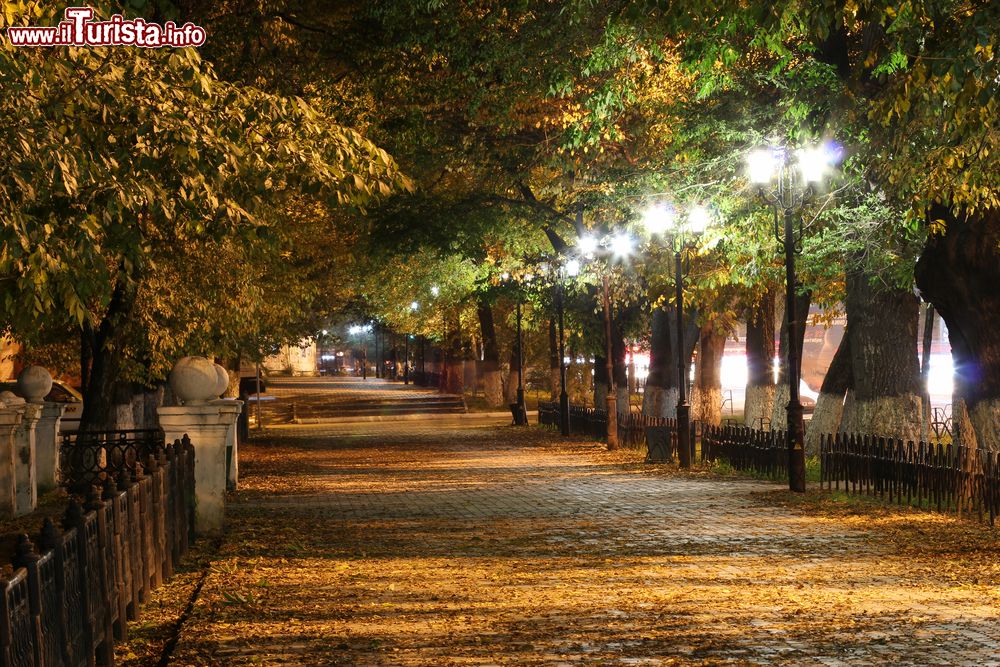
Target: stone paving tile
x: 444, y: 543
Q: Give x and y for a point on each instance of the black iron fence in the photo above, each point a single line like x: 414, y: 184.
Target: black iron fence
x: 942, y: 477
x: 90, y: 457
x: 67, y: 603
x: 634, y: 429
x: 747, y: 449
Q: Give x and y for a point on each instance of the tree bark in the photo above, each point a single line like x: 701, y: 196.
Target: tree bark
x: 490, y: 365
x: 959, y: 272
x: 712, y: 345
x: 510, y: 389
x: 829, y: 410
x: 882, y: 326
x: 661, y: 400
x: 106, y: 346
x: 779, y: 415
x: 759, y: 401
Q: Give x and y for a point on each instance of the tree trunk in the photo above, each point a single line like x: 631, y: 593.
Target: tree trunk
x: 882, y: 327
x: 106, y: 346
x: 779, y: 415
x: 662, y: 401
x: 759, y: 402
x: 959, y: 272
x: 709, y: 375
x: 659, y: 398
x: 925, y: 370
x: 829, y: 410
x: 490, y: 365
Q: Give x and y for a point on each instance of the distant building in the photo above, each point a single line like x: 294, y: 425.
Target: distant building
x: 301, y: 359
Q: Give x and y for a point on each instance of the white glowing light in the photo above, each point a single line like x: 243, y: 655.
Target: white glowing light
x: 414, y: 305
x: 813, y: 163
x: 762, y: 164
x: 622, y: 245
x: 658, y: 219
x: 698, y: 219
x: 587, y: 245
x: 573, y: 268
x: 325, y: 332
x: 504, y: 276
x: 435, y: 290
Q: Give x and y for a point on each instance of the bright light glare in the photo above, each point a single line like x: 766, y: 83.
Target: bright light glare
x: 658, y: 218
x: 573, y: 268
x: 813, y: 162
x: 435, y: 290
x: 414, y: 305
x: 504, y: 276
x: 325, y: 332
x: 622, y: 245
x: 587, y: 245
x: 762, y: 164
x: 698, y: 219
x: 528, y: 277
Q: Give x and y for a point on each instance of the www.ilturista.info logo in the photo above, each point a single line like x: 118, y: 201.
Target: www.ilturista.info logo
x: 79, y: 29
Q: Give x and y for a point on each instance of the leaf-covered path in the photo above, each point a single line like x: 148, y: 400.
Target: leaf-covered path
x: 459, y: 541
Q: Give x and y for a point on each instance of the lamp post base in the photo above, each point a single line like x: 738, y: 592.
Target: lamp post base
x: 796, y: 448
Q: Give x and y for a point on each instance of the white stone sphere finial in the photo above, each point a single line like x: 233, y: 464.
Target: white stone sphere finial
x: 194, y: 380
x: 223, y: 384
x: 34, y: 384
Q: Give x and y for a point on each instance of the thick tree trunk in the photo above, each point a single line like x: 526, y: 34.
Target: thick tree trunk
x: 709, y: 376
x: 882, y: 327
x: 759, y: 402
x: 829, y: 410
x: 661, y: 383
x: 659, y: 398
x: 779, y: 415
x: 490, y: 365
x: 959, y: 272
x: 106, y: 345
x: 925, y: 371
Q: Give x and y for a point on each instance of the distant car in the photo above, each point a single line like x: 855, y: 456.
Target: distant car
x: 60, y: 393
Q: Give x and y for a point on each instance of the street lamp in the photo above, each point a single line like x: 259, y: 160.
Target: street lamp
x: 414, y: 307
x: 786, y: 182
x: 662, y: 219
x: 616, y: 248
x: 560, y: 269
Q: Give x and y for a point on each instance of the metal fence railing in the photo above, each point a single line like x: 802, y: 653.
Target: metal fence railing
x: 634, y: 429
x: 746, y: 449
x: 68, y: 603
x: 941, y: 477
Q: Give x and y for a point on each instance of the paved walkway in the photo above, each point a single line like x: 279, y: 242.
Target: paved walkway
x: 458, y: 542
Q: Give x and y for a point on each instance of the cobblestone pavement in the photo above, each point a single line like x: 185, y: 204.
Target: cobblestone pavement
x: 451, y: 542
x: 340, y: 397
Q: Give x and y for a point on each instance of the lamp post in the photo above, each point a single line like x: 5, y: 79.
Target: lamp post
x: 618, y: 247
x: 661, y: 219
x: 414, y: 307
x: 569, y: 269
x: 786, y: 182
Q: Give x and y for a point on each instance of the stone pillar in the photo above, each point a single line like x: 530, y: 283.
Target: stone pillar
x: 232, y: 452
x: 209, y: 423
x: 10, y: 419
x: 26, y: 461
x: 47, y: 445
x: 208, y: 427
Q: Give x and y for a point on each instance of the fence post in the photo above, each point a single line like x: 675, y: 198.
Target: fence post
x: 25, y: 556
